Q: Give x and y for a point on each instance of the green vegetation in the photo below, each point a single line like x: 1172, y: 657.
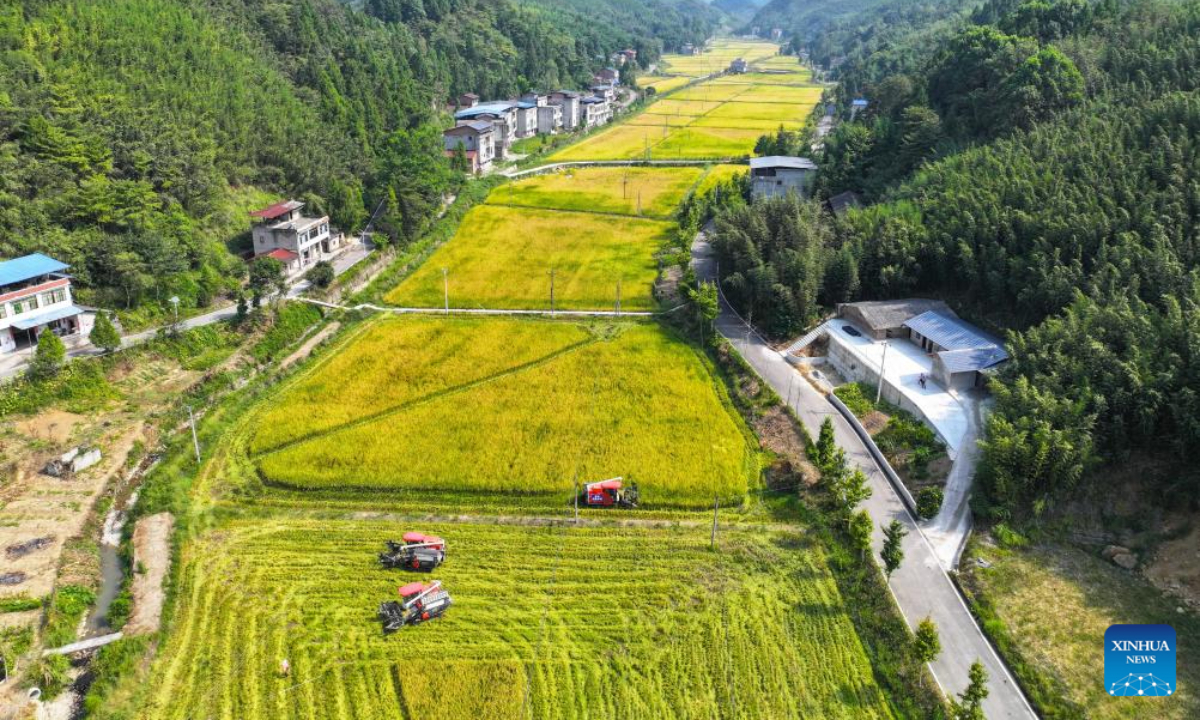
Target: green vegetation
x: 291, y: 321
x: 19, y: 603
x: 760, y: 624
x: 67, y: 606
x: 630, y: 401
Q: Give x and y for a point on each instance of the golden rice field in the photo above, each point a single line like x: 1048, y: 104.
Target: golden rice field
x: 547, y: 622
x: 720, y: 118
x: 501, y: 258
x: 718, y: 174
x: 648, y: 192
x: 628, y: 401
x: 663, y: 84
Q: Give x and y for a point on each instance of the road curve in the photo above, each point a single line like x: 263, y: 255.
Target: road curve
x: 921, y: 587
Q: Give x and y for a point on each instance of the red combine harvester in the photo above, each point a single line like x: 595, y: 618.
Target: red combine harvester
x: 611, y: 493
x: 419, y: 552
x: 418, y: 602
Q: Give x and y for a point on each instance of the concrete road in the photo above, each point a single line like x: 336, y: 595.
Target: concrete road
x: 921, y: 587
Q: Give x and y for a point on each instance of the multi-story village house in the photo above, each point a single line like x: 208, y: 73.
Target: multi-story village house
x: 35, y: 297
x: 568, y: 100
x: 282, y: 232
x: 476, y: 140
x: 502, y: 114
x: 596, y: 111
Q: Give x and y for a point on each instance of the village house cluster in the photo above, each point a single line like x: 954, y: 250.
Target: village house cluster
x: 485, y: 131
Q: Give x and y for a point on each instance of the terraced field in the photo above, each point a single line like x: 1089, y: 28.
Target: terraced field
x: 587, y: 403
x: 548, y: 622
x: 718, y: 118
x: 648, y: 192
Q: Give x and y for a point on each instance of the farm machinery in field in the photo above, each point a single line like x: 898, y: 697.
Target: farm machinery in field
x: 611, y: 493
x: 418, y: 602
x: 418, y: 552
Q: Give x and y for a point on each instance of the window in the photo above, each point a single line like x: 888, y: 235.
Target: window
x: 3, y: 311
x: 54, y: 296
x: 25, y: 305
x: 324, y: 228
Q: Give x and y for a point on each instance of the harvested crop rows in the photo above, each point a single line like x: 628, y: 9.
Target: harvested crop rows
x: 628, y: 400
x: 547, y: 622
x: 718, y: 118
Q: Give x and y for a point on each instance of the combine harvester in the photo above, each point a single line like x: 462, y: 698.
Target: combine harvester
x: 611, y: 493
x: 418, y: 552
x: 418, y: 602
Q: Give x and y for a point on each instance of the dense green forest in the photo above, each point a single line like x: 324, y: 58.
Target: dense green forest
x: 1037, y: 165
x: 135, y: 134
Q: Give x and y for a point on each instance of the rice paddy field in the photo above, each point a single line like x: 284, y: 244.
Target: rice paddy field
x: 547, y: 622
x: 663, y: 84
x: 648, y: 192
x: 580, y: 403
x: 714, y: 119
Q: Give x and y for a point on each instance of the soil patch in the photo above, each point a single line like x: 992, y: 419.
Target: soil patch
x: 874, y: 422
x: 777, y: 433
x: 151, y: 562
x: 55, y: 426
x: 306, y: 349
x: 1175, y: 568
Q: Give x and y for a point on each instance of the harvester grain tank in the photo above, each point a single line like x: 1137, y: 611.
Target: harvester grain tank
x: 418, y: 602
x: 611, y: 493
x: 419, y: 552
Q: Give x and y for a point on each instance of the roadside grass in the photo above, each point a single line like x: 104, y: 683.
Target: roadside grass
x: 718, y: 174
x: 1047, y: 607
x: 396, y: 360
x: 555, y: 622
x: 621, y: 190
x: 502, y: 258
x: 637, y: 404
x: 701, y: 143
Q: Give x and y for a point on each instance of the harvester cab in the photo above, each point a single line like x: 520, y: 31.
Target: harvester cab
x: 418, y: 602
x: 419, y: 552
x: 611, y: 493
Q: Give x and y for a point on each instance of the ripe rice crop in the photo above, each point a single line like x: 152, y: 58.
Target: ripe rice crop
x: 709, y: 92
x: 761, y: 126
x: 634, y: 403
x: 501, y: 257
x: 614, y: 190
x: 693, y: 142
x: 617, y: 142
x: 778, y: 112
x: 671, y: 106
x: 547, y: 622
x: 795, y: 79
x: 780, y: 94
x: 663, y: 84
x: 398, y: 360
x: 646, y: 119
x: 717, y: 174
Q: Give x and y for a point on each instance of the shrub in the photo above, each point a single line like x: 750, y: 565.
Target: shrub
x: 1009, y: 538
x: 855, y: 398
x: 929, y: 501
x: 291, y: 322
x: 20, y: 603
x: 69, y: 604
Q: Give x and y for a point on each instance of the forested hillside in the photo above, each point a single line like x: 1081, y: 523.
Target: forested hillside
x: 135, y: 134
x: 1038, y: 166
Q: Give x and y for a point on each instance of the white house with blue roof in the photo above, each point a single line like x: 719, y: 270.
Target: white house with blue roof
x: 501, y: 113
x: 962, y: 353
x: 35, y: 297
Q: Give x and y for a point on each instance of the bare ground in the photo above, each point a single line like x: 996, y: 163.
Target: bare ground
x: 1175, y: 568
x: 306, y: 349
x: 151, y: 562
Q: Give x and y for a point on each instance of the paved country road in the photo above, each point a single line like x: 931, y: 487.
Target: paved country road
x: 921, y: 587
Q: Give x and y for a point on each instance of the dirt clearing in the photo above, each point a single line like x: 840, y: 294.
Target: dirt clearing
x: 151, y: 562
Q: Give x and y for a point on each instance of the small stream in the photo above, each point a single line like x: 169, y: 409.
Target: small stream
x: 111, y: 572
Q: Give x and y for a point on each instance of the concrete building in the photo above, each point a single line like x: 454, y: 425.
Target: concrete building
x: 776, y: 33
x: 467, y: 100
x: 882, y: 319
x: 596, y: 111
x: 527, y: 116
x: 550, y: 119
x: 963, y: 355
x: 778, y: 175
x: 608, y: 76
x: 35, y: 297
x: 502, y: 114
x: 604, y: 90
x: 476, y: 139
x: 628, y: 55
x: 738, y: 66
x: 282, y: 227
x: 568, y: 100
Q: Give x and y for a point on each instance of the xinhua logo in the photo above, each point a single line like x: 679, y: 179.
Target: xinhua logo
x: 1139, y: 660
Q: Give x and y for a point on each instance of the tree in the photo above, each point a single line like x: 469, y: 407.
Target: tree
x: 705, y: 305
x: 320, y: 275
x: 892, y: 553
x: 242, y: 310
x: 50, y: 356
x: 823, y: 451
x: 104, y: 334
x: 853, y: 489
x: 929, y: 501
x: 969, y: 706
x: 926, y: 644
x: 266, y: 274
x: 861, y: 526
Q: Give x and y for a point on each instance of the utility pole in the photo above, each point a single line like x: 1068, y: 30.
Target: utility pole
x: 618, y: 296
x: 625, y: 185
x: 639, y: 209
x: 712, y: 542
x: 882, y: 364
x: 195, y: 438
x: 576, y: 486
x: 552, y: 292
x: 446, y: 288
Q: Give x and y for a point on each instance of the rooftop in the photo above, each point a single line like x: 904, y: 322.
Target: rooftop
x: 498, y: 107
x: 279, y: 208
x: 29, y: 266
x: 592, y: 100
x: 282, y: 255
x: 842, y: 201
x: 782, y: 161
x: 883, y: 314
x: 952, y: 333
x: 479, y: 126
